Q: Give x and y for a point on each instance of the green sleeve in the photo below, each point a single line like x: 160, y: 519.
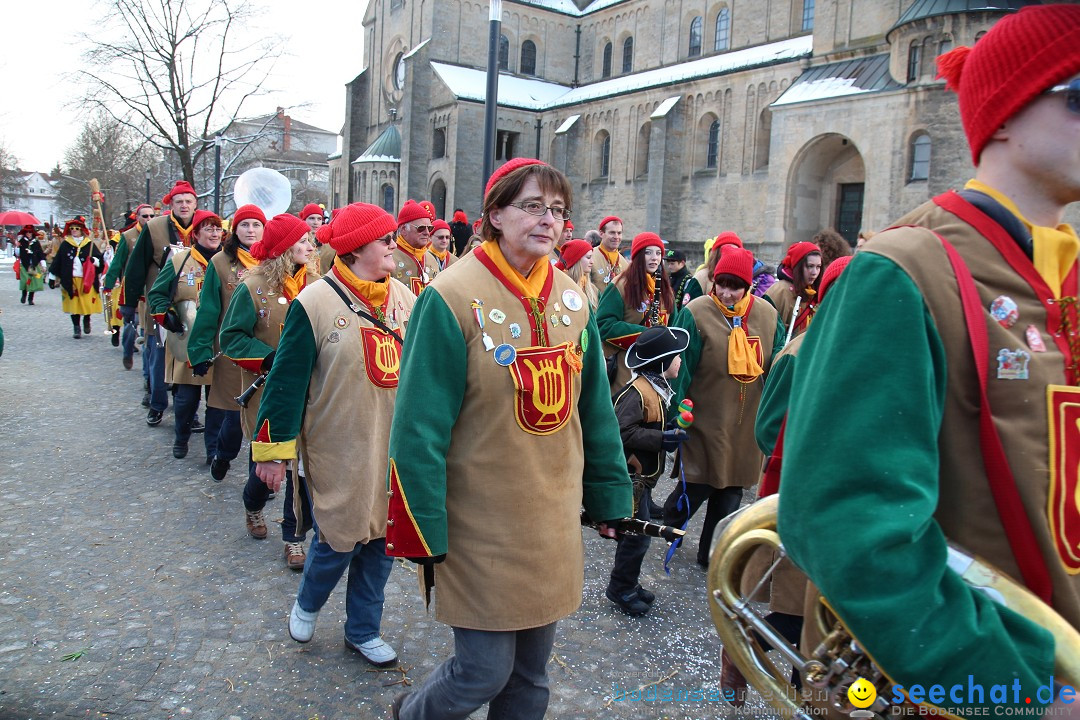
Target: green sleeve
x: 142, y: 254
x: 609, y: 315
x: 201, y: 336
x: 116, y: 268
x: 159, y: 298
x: 237, y: 337
x: 774, y: 402
x: 607, y: 492
x: 1, y: 341
x: 691, y: 358
x: 857, y: 507
x: 693, y: 289
x: 284, y: 396
x: 780, y: 333
x: 425, y: 413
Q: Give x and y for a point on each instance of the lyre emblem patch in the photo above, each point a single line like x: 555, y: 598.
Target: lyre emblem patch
x: 1063, y: 506
x: 382, y: 359
x: 544, y: 384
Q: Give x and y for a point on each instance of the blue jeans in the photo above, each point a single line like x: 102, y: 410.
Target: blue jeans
x: 507, y: 670
x: 128, y: 334
x: 226, y: 428
x: 255, y: 496
x: 159, y: 396
x: 369, y: 567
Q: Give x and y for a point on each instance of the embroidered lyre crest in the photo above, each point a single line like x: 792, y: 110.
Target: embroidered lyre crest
x: 1063, y: 507
x: 544, y: 388
x: 382, y: 359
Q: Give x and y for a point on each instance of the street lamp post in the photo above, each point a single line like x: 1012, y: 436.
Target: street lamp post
x: 491, y: 98
x: 218, y: 142
x: 148, y: 187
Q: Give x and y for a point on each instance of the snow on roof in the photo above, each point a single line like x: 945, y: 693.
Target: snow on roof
x: 415, y: 49
x: 567, y: 124
x: 530, y: 94
x: 664, y: 107
x: 839, y: 79
x: 567, y: 7
x: 524, y: 93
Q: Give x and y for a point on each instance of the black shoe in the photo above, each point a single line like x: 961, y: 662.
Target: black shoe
x: 209, y: 460
x: 153, y: 418
x: 86, y: 325
x: 146, y: 400
x: 128, y: 362
x: 629, y: 603
x: 655, y: 511
x: 219, y: 468
x: 23, y: 300
x: 115, y: 338
x: 77, y: 334
x: 646, y: 596
x: 196, y: 426
x: 179, y: 451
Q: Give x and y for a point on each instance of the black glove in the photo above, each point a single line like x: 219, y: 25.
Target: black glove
x: 127, y: 312
x: 268, y: 362
x: 427, y: 560
x: 200, y: 369
x: 672, y: 440
x: 171, y: 321
x: 52, y: 284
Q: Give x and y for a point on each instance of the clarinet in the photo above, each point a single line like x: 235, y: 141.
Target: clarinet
x: 654, y: 306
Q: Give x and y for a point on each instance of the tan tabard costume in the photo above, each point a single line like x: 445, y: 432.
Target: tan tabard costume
x: 190, y: 275
x: 228, y: 378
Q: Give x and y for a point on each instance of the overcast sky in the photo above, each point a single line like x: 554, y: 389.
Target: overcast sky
x: 38, y: 119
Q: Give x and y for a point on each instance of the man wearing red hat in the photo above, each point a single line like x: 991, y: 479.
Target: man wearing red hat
x: 461, y: 231
x: 959, y: 329
x: 415, y: 266
x: 143, y: 214
x: 441, y: 238
x: 159, y: 239
x: 608, y: 261
x: 317, y: 396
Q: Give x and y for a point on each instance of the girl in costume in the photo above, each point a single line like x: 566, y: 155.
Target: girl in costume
x: 31, y: 263
x: 76, y: 257
x: 796, y: 281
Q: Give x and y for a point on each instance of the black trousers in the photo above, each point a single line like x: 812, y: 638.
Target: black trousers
x: 626, y: 570
x: 722, y: 503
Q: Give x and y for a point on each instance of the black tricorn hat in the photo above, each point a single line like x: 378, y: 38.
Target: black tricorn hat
x: 656, y: 343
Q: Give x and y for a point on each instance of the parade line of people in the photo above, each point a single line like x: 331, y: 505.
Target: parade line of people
x: 372, y: 362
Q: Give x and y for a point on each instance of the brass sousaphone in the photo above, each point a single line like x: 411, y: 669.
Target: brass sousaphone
x: 839, y: 659
x: 177, y: 341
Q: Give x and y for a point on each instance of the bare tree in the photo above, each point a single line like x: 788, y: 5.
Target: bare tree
x: 171, y: 69
x: 114, y: 154
x: 9, y: 178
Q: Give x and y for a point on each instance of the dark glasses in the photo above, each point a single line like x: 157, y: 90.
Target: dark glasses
x: 1072, y: 94
x: 425, y: 228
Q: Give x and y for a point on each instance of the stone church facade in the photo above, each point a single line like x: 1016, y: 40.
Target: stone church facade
x: 772, y: 118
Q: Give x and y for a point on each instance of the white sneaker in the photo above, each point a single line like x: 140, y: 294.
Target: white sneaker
x: 377, y: 652
x: 301, y: 623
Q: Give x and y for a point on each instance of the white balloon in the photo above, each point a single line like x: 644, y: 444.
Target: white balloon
x: 268, y: 189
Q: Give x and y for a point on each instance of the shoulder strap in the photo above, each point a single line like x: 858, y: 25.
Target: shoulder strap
x: 357, y: 309
x: 1018, y: 530
x: 1001, y: 215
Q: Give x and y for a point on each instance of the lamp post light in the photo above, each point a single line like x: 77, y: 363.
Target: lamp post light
x: 491, y: 98
x: 148, y: 187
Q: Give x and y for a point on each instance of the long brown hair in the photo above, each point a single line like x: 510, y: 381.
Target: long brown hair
x: 635, y: 291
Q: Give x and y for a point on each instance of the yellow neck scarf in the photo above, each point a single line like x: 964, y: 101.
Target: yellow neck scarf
x: 742, y: 360
x: 611, y: 255
x: 528, y: 286
x: 650, y: 287
x: 1056, y: 249
x: 245, y: 258
x: 374, y: 292
x: 184, y: 232
x: 77, y: 242
x: 440, y: 254
x: 198, y: 256
x: 417, y: 253
x: 295, y: 283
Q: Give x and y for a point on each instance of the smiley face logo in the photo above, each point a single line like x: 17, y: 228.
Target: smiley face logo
x: 861, y: 694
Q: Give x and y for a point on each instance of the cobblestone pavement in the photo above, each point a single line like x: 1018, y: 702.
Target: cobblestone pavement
x: 129, y: 587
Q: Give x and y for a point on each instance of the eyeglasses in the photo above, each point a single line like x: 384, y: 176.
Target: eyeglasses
x: 424, y: 228
x: 538, y: 208
x: 1072, y: 94
x: 388, y: 241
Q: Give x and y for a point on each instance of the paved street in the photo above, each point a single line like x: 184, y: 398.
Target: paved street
x: 129, y: 587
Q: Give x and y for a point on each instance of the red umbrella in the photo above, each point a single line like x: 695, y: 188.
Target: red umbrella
x: 15, y: 217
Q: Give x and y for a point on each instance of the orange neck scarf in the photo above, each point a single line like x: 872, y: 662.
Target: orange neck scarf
x: 742, y: 360
x: 530, y: 286
x: 183, y: 232
x: 295, y: 283
x: 373, y: 292
x: 245, y: 258
x: 417, y: 253
x: 611, y: 255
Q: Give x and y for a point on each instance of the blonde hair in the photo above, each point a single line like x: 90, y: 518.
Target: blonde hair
x: 275, y: 269
x: 577, y: 274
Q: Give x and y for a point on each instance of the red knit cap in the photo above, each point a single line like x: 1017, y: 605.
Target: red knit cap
x: 736, y: 261
x: 508, y: 168
x: 568, y: 225
x: 1020, y: 57
x: 181, y: 187
x: 831, y: 273
x: 202, y: 216
x: 440, y: 225
x: 796, y: 253
x: 428, y: 207
x: 644, y: 240
x: 310, y: 209
x: 572, y: 252
x: 248, y: 212
x: 410, y: 211
x: 726, y: 238
x: 281, y: 233
x: 140, y: 206
x: 459, y: 216
x: 357, y: 225
x: 76, y: 222
x: 605, y: 221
